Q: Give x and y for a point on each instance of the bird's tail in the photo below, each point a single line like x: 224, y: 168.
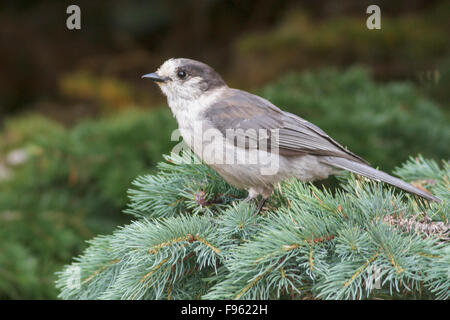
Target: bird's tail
x: 371, y: 173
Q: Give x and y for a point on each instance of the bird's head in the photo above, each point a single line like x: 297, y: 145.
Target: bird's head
x: 186, y: 79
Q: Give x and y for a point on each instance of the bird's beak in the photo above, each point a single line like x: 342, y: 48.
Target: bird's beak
x: 153, y: 76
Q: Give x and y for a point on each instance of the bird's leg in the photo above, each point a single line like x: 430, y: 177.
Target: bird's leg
x: 253, y: 194
x: 260, y: 205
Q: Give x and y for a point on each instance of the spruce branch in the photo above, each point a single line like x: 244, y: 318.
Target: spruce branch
x: 195, y: 238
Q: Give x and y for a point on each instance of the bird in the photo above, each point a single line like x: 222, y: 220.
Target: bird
x: 250, y: 142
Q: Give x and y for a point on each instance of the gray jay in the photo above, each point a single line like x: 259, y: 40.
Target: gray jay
x: 249, y: 141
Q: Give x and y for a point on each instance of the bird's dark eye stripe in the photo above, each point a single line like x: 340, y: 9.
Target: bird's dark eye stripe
x: 181, y: 74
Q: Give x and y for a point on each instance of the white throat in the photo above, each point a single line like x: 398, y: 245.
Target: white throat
x: 186, y: 111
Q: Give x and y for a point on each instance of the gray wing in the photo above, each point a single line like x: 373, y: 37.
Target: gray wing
x: 293, y: 135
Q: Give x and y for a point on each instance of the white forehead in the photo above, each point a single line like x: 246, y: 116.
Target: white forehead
x: 168, y: 67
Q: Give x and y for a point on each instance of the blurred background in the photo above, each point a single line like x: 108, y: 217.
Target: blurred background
x: 78, y: 124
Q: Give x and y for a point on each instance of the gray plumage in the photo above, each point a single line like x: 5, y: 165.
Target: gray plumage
x: 196, y: 93
x: 240, y: 109
x: 377, y: 175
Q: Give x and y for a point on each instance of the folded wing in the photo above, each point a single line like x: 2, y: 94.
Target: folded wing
x: 292, y: 135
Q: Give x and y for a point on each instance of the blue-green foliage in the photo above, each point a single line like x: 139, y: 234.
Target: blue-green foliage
x: 307, y: 243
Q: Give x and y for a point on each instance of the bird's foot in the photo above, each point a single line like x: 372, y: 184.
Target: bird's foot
x: 253, y: 194
x: 260, y: 205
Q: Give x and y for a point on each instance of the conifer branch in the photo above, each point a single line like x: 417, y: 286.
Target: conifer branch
x: 194, y: 238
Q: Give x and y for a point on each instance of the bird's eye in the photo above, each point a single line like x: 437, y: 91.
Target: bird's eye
x: 181, y: 74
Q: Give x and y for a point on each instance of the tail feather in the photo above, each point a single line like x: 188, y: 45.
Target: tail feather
x: 374, y: 174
